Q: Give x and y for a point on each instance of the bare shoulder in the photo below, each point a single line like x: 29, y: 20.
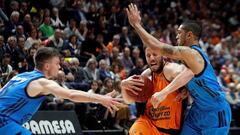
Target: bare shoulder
x: 171, y: 66
x: 147, y: 72
x: 170, y: 70
x: 36, y: 87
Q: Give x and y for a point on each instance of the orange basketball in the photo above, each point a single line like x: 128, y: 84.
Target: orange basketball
x: 147, y: 90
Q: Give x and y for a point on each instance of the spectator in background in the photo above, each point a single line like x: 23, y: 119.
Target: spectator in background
x: 2, y: 46
x: 135, y: 54
x: 114, y: 43
x: 72, y: 29
x: 30, y: 56
x: 125, y: 39
x: 80, y: 81
x: 23, y: 66
x: 33, y: 38
x: 83, y: 30
x: 90, y: 45
x: 56, y: 40
x: 11, y: 26
x: 100, y: 41
x: 27, y: 24
x: 5, y: 68
x: 115, y: 56
x: 126, y: 60
x: 21, y: 52
x: 139, y: 68
x: 104, y: 70
x: 91, y: 71
x: 55, y: 20
x: 79, y: 13
x: 104, y: 54
x: 11, y: 48
x: 20, y: 32
x: 72, y: 46
x: 46, y: 28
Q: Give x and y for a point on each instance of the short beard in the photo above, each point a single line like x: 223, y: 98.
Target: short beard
x: 160, y: 68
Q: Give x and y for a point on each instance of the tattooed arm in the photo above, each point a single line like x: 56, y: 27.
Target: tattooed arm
x: 190, y: 56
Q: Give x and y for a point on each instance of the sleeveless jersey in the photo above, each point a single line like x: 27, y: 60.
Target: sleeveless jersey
x: 168, y: 114
x: 204, y: 87
x: 15, y: 104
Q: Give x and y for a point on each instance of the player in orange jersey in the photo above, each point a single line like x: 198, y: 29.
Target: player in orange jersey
x: 166, y: 117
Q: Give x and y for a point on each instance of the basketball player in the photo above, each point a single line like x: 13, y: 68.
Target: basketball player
x: 166, y: 118
x: 21, y: 97
x: 210, y: 113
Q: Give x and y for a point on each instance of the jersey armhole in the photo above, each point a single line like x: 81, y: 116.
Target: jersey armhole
x: 25, y: 89
x: 205, y: 63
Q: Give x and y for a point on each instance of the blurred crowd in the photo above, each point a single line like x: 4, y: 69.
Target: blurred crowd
x: 99, y: 48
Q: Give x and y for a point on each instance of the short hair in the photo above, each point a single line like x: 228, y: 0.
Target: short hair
x: 192, y: 26
x: 43, y: 54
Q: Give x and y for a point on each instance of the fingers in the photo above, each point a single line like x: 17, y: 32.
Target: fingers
x: 133, y: 91
x: 154, y: 101
x: 110, y: 109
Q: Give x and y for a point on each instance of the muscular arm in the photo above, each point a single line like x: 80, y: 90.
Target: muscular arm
x: 44, y: 87
x: 179, y: 75
x: 190, y: 56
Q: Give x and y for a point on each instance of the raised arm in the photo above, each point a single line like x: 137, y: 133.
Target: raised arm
x: 45, y: 87
x: 179, y: 76
x: 191, y: 57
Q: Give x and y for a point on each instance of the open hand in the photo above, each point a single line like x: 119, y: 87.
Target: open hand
x: 112, y: 104
x: 133, y: 14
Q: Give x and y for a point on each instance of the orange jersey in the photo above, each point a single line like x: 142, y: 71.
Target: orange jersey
x: 168, y: 114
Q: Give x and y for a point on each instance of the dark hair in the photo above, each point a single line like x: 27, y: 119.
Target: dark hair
x: 6, y: 55
x: 43, y: 54
x: 192, y: 26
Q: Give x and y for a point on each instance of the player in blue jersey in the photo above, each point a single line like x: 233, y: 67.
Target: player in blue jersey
x: 21, y: 97
x: 210, y: 113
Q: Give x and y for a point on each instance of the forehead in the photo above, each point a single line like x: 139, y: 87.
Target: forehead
x: 180, y: 28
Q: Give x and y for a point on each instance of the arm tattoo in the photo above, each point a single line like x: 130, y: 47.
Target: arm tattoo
x: 168, y: 49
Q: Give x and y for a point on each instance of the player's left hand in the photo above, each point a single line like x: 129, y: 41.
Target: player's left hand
x: 157, y: 98
x: 112, y: 104
x: 133, y: 14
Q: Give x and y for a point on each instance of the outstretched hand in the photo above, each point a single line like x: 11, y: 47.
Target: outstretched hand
x: 112, y: 104
x: 133, y: 14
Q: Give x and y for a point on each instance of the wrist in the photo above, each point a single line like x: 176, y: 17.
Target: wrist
x: 137, y: 25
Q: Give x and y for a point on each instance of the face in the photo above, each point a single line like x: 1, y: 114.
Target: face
x: 61, y: 76
x: 6, y: 61
x: 53, y: 66
x: 154, y: 60
x: 94, y: 86
x: 21, y: 42
x: 181, y: 36
x: 109, y: 83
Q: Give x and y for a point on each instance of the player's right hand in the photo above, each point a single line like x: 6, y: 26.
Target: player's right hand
x: 133, y: 84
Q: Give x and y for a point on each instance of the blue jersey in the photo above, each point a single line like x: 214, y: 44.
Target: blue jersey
x: 204, y: 87
x: 15, y: 104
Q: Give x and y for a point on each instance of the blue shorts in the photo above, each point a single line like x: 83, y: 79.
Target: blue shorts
x: 12, y: 128
x: 214, y: 122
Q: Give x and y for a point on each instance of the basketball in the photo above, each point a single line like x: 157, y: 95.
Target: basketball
x: 147, y: 90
